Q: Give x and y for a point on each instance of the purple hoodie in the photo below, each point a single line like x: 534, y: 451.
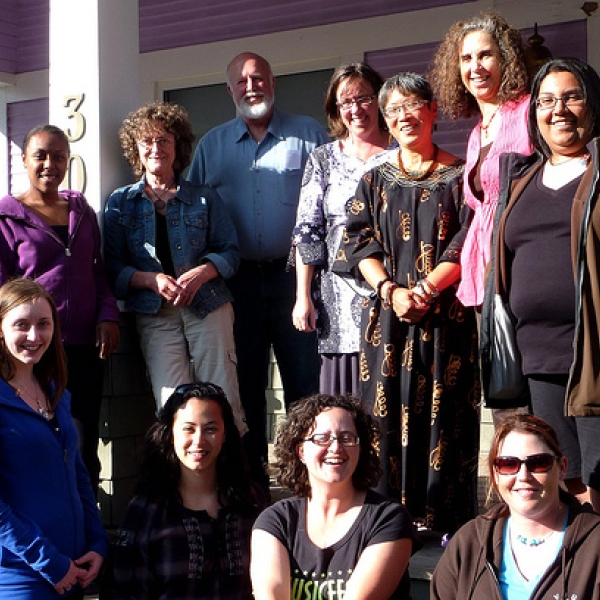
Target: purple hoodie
x: 73, y: 274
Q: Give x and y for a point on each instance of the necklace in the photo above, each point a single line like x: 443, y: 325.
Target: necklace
x: 160, y: 204
x: 485, y: 128
x: 533, y: 541
x: 43, y: 410
x: 424, y: 175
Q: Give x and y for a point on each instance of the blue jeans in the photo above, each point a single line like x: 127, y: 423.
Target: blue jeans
x: 264, y: 295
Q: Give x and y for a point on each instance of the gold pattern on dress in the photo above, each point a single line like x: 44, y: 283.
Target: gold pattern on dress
x: 388, y: 364
x: 427, y: 332
x: 380, y: 405
x: 373, y: 328
x: 356, y: 206
x: 475, y: 395
x: 424, y: 262
x: 456, y: 312
x: 364, y: 367
x: 404, y: 424
x: 407, y: 355
x: 419, y: 393
x: 443, y: 226
x: 395, y: 476
x: 341, y: 255
x: 436, y: 457
x: 403, y: 230
x: 438, y: 390
x: 425, y: 195
x: 451, y: 372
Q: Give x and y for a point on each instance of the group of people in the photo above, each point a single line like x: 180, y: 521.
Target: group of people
x: 369, y: 264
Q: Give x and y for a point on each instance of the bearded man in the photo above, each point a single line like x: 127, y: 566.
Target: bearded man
x: 256, y: 162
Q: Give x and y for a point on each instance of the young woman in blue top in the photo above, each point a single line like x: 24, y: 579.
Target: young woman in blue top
x: 52, y: 542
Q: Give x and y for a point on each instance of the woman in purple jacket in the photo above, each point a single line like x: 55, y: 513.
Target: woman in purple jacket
x: 53, y: 237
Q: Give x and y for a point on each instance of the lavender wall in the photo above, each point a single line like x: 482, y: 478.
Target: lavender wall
x: 179, y: 23
x: 21, y: 117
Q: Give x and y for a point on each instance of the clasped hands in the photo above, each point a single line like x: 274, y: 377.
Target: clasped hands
x: 409, y: 305
x: 180, y: 291
x: 81, y: 571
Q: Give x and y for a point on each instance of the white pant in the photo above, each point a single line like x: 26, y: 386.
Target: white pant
x: 180, y: 348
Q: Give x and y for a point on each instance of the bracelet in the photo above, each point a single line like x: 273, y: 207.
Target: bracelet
x: 380, y: 285
x: 434, y: 291
x: 389, y: 294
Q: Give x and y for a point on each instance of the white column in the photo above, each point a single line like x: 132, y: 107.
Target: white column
x: 94, y: 83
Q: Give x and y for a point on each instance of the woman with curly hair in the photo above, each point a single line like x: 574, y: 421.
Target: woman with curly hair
x: 335, y: 535
x: 186, y: 533
x: 169, y: 246
x: 479, y: 70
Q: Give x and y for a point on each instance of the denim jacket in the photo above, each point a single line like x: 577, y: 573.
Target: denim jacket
x: 199, y: 230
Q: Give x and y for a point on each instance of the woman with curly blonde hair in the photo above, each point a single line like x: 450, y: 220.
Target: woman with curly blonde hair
x: 479, y: 70
x: 169, y: 246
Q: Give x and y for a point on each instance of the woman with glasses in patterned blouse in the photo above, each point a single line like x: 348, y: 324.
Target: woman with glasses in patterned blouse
x: 186, y: 533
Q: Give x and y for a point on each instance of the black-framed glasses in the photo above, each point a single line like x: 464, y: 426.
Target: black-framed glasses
x: 408, y: 107
x: 362, y: 101
x: 326, y: 439
x: 535, y: 463
x: 548, y: 101
x: 202, y: 387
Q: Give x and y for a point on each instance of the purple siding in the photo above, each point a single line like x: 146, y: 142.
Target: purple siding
x: 24, y: 35
x: 179, y: 23
x: 33, y: 44
x: 8, y: 37
x: 21, y: 117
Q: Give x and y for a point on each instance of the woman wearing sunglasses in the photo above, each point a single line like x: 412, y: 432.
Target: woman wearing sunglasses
x: 539, y: 542
x: 335, y: 538
x: 546, y: 264
x: 186, y: 533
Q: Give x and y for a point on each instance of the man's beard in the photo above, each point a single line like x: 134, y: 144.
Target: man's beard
x: 255, y: 111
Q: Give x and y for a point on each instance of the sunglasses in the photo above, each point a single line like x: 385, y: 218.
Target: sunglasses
x: 535, y: 463
x: 202, y: 387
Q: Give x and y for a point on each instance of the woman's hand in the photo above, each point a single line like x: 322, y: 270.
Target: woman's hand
x: 191, y: 281
x: 90, y: 564
x: 73, y: 576
x: 166, y: 286
x: 408, y: 306
x: 304, y: 314
x: 107, y: 338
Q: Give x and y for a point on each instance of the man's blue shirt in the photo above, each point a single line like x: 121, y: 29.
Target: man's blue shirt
x: 259, y: 181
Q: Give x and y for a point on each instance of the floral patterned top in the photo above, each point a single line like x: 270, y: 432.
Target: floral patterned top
x: 330, y: 180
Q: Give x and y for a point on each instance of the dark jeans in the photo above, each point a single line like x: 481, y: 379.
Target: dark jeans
x: 85, y: 382
x: 264, y: 295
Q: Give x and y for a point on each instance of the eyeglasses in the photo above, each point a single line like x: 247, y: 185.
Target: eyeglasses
x: 408, y: 107
x: 362, y: 101
x: 203, y: 388
x: 326, y: 439
x: 549, y: 101
x: 535, y: 463
x: 160, y: 142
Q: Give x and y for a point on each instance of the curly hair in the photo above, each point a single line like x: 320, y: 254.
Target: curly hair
x: 588, y: 81
x: 521, y: 424
x: 444, y: 73
x: 289, y: 469
x: 51, y: 370
x: 172, y: 118
x: 160, y: 469
x: 347, y: 73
